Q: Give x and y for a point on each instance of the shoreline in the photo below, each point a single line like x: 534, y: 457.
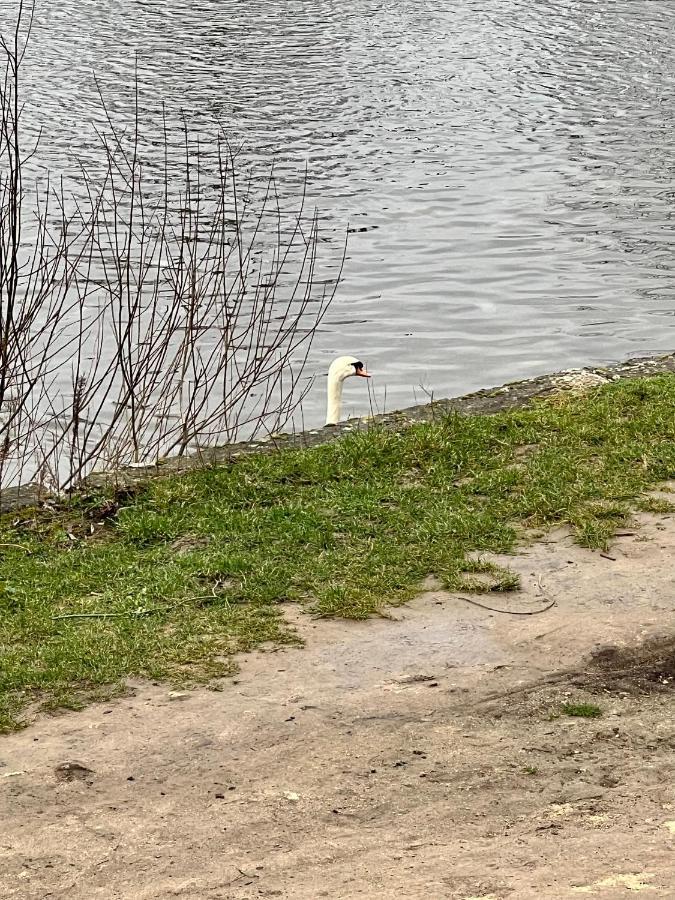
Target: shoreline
x: 486, y: 401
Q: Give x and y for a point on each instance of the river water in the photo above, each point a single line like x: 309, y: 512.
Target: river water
x: 507, y: 166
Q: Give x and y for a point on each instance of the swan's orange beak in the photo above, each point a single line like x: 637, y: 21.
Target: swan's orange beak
x: 362, y: 373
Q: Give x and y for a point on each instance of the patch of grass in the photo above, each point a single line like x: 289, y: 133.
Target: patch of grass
x: 485, y: 576
x: 194, y: 568
x: 582, y: 710
x: 655, y: 505
x: 530, y: 770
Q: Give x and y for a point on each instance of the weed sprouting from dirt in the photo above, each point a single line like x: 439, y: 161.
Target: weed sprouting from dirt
x: 581, y: 710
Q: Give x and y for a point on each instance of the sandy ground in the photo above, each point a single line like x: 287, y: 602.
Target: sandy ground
x: 411, y: 757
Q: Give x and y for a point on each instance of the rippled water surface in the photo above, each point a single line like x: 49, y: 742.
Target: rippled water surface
x: 507, y: 165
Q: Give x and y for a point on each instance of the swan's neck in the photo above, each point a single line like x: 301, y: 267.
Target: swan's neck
x: 334, y: 405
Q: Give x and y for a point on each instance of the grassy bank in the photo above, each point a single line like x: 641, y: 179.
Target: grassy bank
x: 173, y: 581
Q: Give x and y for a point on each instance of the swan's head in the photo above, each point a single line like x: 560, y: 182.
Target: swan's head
x: 345, y: 366
x: 341, y: 368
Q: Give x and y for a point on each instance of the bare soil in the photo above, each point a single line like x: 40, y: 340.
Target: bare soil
x: 420, y: 756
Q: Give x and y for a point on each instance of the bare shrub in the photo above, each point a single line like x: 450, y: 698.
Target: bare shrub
x: 141, y: 317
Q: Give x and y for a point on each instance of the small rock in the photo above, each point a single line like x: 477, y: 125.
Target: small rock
x: 73, y: 771
x: 610, y: 780
x: 413, y: 679
x: 292, y: 796
x: 178, y: 695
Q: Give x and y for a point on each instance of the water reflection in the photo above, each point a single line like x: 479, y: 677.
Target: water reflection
x: 506, y: 165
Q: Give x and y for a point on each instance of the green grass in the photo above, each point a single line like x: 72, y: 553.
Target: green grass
x: 655, y: 505
x: 581, y: 710
x: 199, y: 566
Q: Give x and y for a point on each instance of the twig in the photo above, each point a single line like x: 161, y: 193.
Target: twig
x: 242, y: 874
x: 136, y: 613
x: 98, y: 615
x: 17, y: 546
x: 509, y: 612
x: 520, y: 689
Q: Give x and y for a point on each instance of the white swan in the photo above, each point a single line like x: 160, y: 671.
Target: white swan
x: 341, y: 368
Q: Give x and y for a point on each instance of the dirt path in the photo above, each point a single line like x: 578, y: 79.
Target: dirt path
x: 377, y: 762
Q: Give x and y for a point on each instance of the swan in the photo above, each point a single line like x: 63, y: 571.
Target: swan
x: 341, y: 368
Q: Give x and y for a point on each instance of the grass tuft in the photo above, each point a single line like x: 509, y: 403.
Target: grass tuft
x: 582, y: 710
x: 655, y: 505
